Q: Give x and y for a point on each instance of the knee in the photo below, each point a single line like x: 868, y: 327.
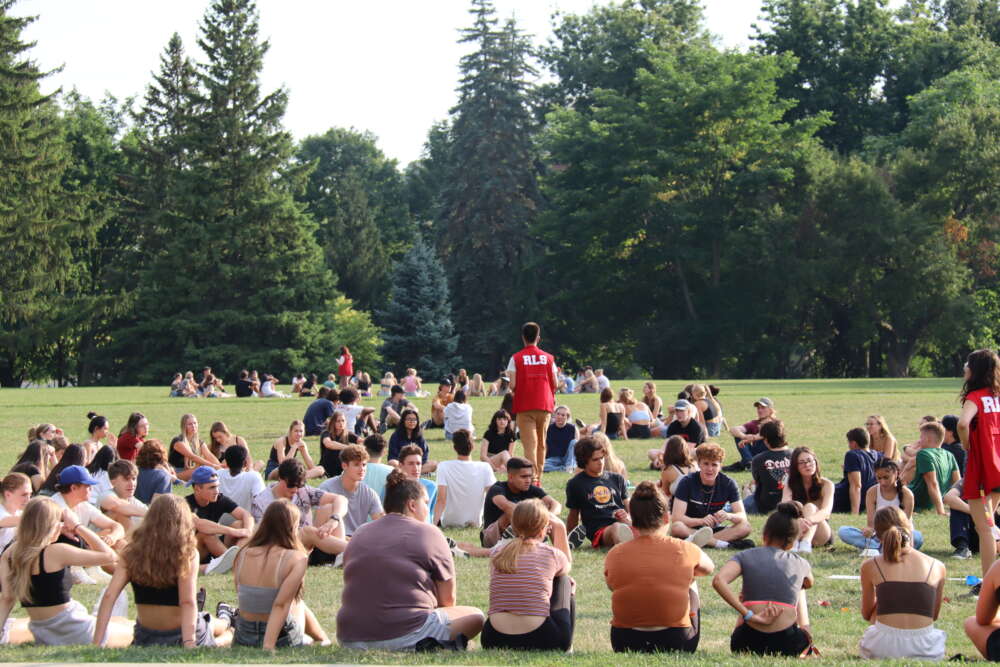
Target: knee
x: 742, y: 529
x: 678, y: 529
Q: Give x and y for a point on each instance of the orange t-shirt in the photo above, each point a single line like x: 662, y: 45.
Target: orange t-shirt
x: 649, y: 579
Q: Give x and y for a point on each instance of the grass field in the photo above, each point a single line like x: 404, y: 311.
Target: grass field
x: 816, y: 413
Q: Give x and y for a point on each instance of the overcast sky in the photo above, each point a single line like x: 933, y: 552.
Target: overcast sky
x: 388, y: 66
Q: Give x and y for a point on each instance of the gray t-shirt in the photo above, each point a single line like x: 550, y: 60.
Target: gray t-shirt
x: 772, y: 575
x: 362, y: 504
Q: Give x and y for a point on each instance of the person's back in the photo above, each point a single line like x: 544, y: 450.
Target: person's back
x: 467, y: 483
x: 316, y: 415
x: 939, y: 461
x: 375, y: 476
x: 641, y: 596
x: 241, y: 486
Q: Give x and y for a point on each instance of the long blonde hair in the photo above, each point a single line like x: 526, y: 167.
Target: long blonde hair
x: 626, y: 397
x: 529, y: 521
x: 195, y: 447
x: 39, y: 521
x: 162, y: 547
x: 884, y: 439
x: 214, y: 445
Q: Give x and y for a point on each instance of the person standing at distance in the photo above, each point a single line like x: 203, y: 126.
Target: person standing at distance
x: 532, y: 373
x: 977, y: 426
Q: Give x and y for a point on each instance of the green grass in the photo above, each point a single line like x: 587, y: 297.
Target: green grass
x: 816, y: 413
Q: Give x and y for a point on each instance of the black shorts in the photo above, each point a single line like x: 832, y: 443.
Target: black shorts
x: 655, y: 641
x: 639, y: 432
x: 993, y: 646
x: 791, y: 641
x: 555, y: 634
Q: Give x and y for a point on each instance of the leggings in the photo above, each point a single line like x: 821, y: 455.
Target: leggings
x: 656, y: 641
x: 791, y: 641
x: 555, y: 634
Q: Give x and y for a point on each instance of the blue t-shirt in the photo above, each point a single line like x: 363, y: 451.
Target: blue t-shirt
x: 432, y: 495
x: 397, y: 442
x: 375, y: 476
x: 557, y: 440
x: 703, y: 500
x: 862, y: 461
x: 316, y: 415
x: 151, y: 481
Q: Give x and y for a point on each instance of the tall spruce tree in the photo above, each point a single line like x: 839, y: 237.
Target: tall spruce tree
x: 37, y: 216
x: 492, y: 196
x: 418, y: 328
x: 239, y: 279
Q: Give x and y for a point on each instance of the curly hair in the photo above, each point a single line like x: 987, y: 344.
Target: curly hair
x: 163, y: 546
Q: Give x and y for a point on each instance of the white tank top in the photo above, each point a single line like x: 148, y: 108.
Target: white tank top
x: 881, y: 502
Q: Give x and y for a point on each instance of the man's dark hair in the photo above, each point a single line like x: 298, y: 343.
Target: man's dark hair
x: 410, y: 450
x: 244, y: 374
x: 461, y: 440
x: 235, y: 457
x: 459, y: 396
x: 348, y: 396
x: 375, y: 444
x: 860, y: 437
x: 323, y: 392
x: 529, y: 332
x: 292, y: 472
x: 518, y: 463
x: 122, y: 468
x: 396, y: 389
x: 584, y: 450
x: 773, y: 433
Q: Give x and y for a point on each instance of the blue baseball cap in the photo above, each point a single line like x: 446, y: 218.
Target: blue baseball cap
x: 203, y: 475
x: 75, y: 475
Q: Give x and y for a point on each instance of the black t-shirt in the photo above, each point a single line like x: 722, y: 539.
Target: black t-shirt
x: 956, y: 450
x: 316, y: 415
x: 770, y: 472
x: 330, y: 458
x: 596, y: 498
x: 693, y: 432
x: 498, y: 442
x: 29, y: 469
x: 244, y: 388
x: 557, y: 440
x: 491, y: 512
x: 704, y: 500
x: 212, y: 511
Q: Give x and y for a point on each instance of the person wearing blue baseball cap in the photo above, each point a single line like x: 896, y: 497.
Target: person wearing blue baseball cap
x: 218, y: 540
x: 72, y: 493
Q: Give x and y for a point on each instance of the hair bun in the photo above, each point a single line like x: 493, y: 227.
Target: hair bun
x: 792, y: 509
x: 645, y: 491
x: 91, y: 414
x: 394, y: 478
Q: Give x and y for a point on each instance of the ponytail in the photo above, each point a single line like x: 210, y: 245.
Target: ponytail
x: 893, y: 530
x: 529, y: 520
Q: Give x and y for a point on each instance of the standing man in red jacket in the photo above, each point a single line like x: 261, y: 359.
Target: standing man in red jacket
x: 532, y: 373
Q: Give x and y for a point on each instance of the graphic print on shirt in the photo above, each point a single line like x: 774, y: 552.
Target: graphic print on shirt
x: 601, y: 495
x: 778, y: 470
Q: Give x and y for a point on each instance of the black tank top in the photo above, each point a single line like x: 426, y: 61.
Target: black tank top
x: 614, y: 423
x: 49, y: 589
x: 174, y: 457
x: 709, y: 413
x: 167, y: 597
x: 274, y: 452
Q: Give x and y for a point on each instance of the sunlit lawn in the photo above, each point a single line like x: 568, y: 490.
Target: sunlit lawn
x: 816, y: 413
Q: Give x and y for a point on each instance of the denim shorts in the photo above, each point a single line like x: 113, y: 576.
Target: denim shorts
x: 437, y: 626
x: 251, y: 633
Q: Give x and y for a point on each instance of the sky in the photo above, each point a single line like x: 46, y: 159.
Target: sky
x: 386, y: 66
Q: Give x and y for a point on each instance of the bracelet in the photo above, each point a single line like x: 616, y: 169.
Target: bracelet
x: 747, y: 616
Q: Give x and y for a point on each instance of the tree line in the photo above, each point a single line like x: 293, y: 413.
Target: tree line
x: 820, y: 204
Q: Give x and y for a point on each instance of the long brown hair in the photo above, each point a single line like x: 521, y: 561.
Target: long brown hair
x: 39, y: 521
x: 279, y: 527
x: 529, y: 520
x: 797, y: 484
x: 161, y: 548
x: 893, y: 530
x: 984, y: 372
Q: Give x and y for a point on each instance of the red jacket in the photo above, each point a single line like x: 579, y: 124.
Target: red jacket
x: 534, y: 382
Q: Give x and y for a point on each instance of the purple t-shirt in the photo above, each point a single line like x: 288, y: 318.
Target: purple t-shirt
x: 391, y: 569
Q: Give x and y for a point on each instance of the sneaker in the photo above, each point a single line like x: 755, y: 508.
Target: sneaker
x: 226, y: 612
x: 739, y: 466
x: 740, y: 545
x: 870, y: 553
x: 459, y: 553
x: 962, y: 553
x: 974, y: 591
x: 579, y: 423
x: 577, y: 537
x: 451, y: 542
x: 622, y: 533
x: 508, y: 533
x: 339, y: 560
x: 701, y: 536
x: 223, y: 563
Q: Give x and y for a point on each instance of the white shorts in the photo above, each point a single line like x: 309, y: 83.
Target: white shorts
x: 884, y: 641
x: 437, y: 625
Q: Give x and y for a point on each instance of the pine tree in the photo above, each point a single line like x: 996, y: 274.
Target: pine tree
x: 492, y: 194
x: 240, y: 279
x: 37, y: 216
x: 417, y: 322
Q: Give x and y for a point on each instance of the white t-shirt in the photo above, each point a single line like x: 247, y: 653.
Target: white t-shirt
x: 242, y: 488
x: 467, y: 483
x: 603, y: 382
x: 351, y: 413
x: 85, y: 512
x: 458, y: 416
x: 98, y: 490
x: 7, y: 534
x: 267, y: 388
x: 136, y: 520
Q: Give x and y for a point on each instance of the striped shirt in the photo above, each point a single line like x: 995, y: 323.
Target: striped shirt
x: 528, y: 590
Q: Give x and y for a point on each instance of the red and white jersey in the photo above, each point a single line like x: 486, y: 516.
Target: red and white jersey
x: 982, y: 468
x: 535, y: 379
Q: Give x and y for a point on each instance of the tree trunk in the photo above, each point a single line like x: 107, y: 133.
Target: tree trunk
x: 9, y: 376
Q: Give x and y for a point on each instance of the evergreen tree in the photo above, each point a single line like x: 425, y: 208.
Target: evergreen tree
x: 37, y: 215
x: 417, y: 322
x: 239, y: 279
x: 492, y: 194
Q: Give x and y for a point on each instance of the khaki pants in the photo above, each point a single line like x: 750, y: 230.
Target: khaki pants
x: 533, y: 424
